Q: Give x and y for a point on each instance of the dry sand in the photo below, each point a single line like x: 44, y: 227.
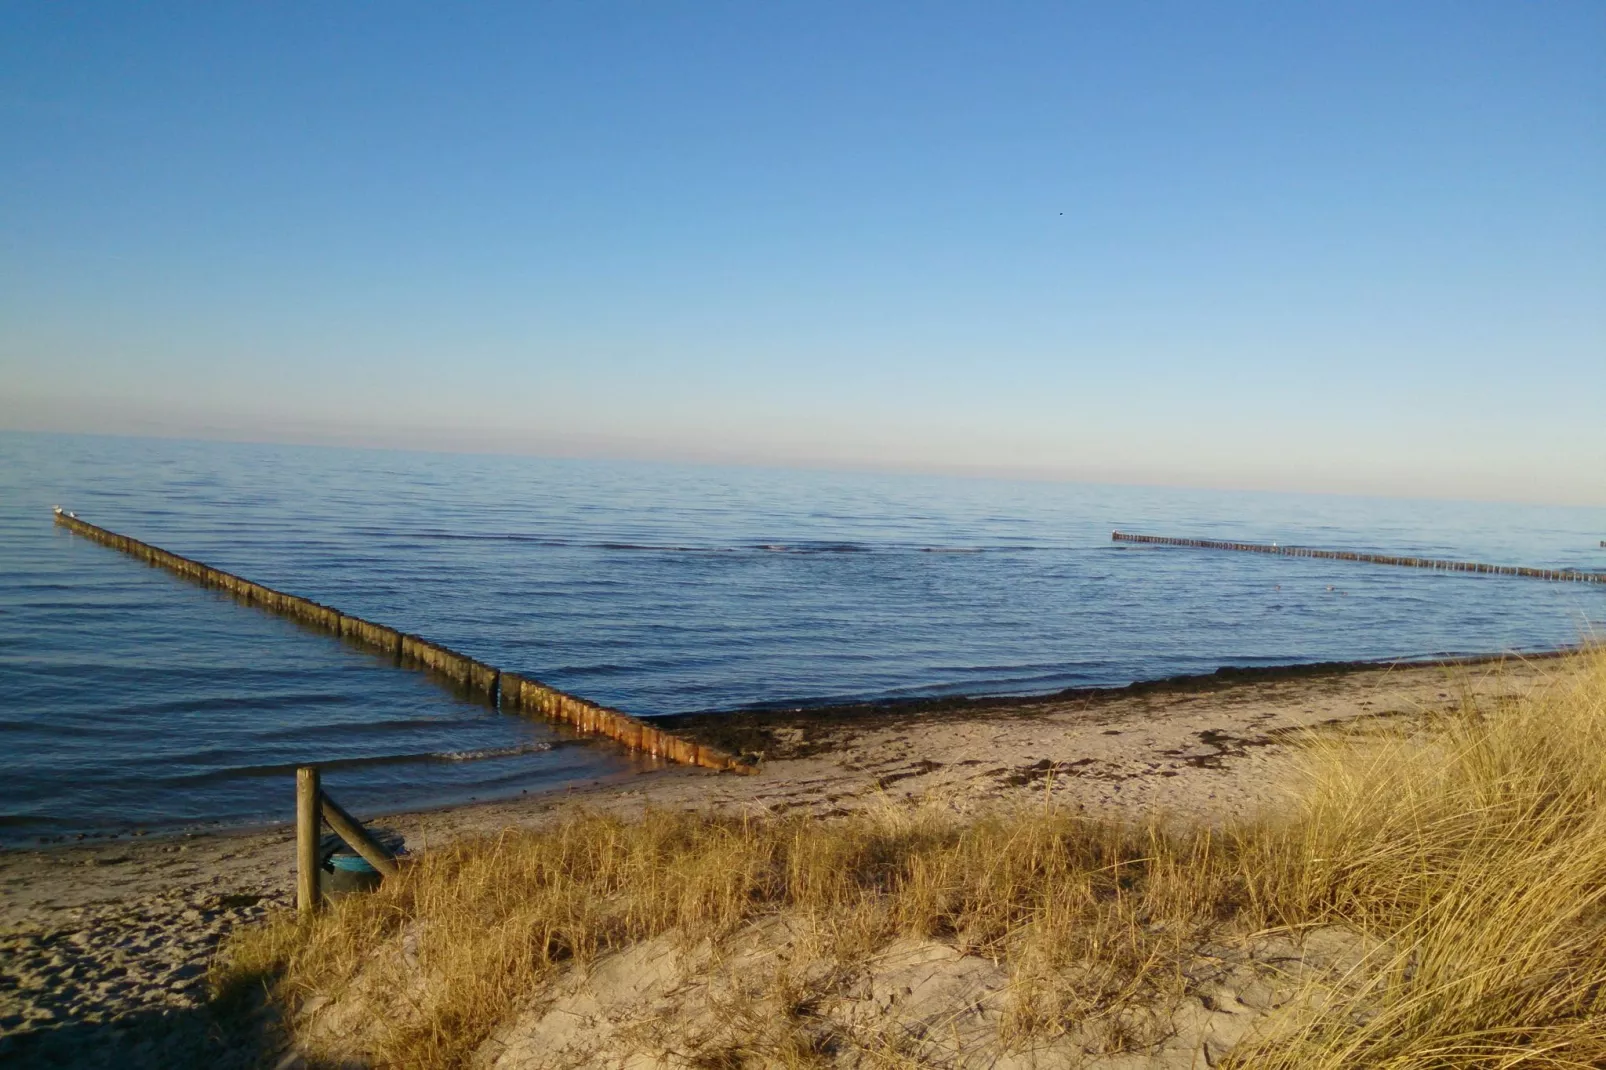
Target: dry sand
x: 915, y: 1003
x: 103, y: 946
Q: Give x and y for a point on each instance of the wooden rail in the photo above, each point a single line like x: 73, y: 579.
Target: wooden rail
x: 313, y: 808
x: 1559, y: 574
x: 510, y: 691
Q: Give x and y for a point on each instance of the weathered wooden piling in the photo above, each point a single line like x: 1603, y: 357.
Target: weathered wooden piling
x: 521, y: 693
x: 482, y: 678
x: 309, y: 822
x: 510, y: 691
x: 374, y: 636
x: 1555, y: 574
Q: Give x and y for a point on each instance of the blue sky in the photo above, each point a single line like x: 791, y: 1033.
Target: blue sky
x: 1356, y: 247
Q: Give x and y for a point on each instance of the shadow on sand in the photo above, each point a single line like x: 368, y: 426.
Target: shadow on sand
x: 239, y: 1031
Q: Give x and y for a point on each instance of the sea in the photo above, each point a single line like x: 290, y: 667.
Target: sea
x: 133, y: 702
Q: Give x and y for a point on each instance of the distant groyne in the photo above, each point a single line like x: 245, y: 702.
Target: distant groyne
x: 510, y: 691
x: 1436, y: 564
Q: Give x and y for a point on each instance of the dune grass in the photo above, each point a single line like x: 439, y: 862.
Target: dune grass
x: 1470, y: 852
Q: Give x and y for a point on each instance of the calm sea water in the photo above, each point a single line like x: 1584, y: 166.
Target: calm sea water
x: 129, y: 698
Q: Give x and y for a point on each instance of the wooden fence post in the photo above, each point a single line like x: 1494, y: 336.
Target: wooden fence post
x: 309, y: 823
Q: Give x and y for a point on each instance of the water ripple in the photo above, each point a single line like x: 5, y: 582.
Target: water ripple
x: 132, y: 698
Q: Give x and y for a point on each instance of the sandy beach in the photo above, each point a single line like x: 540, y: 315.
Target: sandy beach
x: 116, y: 935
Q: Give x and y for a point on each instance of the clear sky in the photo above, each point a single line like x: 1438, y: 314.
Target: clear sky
x: 1316, y: 246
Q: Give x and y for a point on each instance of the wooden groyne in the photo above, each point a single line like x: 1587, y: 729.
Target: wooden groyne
x: 1438, y: 565
x: 510, y: 691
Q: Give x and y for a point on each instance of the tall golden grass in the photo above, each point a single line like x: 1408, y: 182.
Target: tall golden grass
x: 1476, y: 849
x: 1470, y: 851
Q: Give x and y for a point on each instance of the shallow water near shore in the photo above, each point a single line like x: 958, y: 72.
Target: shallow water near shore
x: 131, y: 699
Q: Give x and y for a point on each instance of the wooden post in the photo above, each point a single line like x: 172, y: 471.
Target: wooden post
x: 308, y: 826
x: 351, y: 830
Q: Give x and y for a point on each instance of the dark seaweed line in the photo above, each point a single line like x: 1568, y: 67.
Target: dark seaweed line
x: 1555, y: 574
x: 509, y: 691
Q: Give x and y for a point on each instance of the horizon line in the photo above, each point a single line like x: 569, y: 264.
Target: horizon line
x: 450, y: 445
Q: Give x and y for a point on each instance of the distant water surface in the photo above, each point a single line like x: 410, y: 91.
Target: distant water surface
x: 129, y: 698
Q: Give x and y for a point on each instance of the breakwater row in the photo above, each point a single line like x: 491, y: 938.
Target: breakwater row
x: 510, y: 691
x: 1559, y: 574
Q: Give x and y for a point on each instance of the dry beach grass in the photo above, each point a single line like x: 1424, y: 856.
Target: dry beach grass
x: 1437, y: 898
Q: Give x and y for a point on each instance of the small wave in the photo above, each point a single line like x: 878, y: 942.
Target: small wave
x: 823, y: 547
x: 543, y: 540
x: 30, y: 588
x: 457, y: 536
x: 493, y: 752
x: 283, y: 768
x: 336, y: 730
x: 224, y: 703
x: 41, y: 821
x: 813, y: 548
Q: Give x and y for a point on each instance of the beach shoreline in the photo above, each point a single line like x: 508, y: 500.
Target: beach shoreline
x: 728, y: 724
x: 100, y: 929
x: 820, y: 757
x: 749, y: 728
x: 755, y: 729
